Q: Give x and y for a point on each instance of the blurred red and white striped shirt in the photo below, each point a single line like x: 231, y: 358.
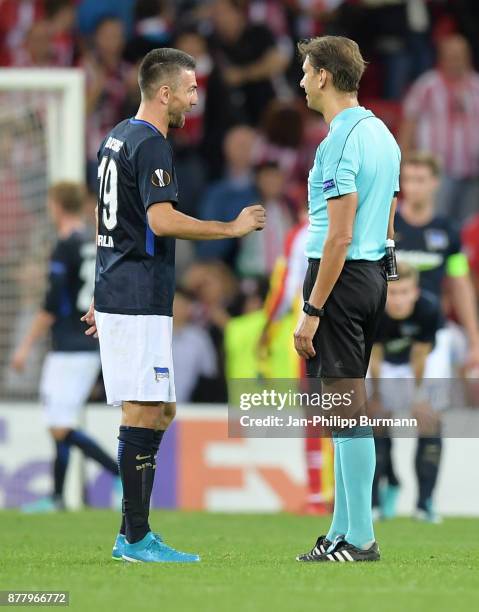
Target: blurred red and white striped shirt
x: 446, y: 113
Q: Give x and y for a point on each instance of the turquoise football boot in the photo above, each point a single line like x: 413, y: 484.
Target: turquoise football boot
x: 151, y: 549
x: 120, y: 544
x: 44, y: 505
x: 118, y: 547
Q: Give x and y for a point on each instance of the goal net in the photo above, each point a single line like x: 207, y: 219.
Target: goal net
x: 41, y: 142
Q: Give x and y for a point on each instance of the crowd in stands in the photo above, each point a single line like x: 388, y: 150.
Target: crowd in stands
x: 251, y: 137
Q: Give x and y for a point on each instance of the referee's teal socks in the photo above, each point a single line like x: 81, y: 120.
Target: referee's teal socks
x: 339, y: 525
x: 354, y: 465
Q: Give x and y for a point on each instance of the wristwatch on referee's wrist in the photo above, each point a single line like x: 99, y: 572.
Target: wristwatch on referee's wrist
x: 312, y: 311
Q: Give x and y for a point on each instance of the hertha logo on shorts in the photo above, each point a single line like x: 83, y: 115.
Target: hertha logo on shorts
x: 161, y: 373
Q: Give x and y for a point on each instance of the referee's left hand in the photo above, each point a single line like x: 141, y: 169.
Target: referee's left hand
x: 304, y: 334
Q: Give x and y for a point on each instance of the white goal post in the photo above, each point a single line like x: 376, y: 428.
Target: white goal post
x: 42, y: 141
x: 65, y: 114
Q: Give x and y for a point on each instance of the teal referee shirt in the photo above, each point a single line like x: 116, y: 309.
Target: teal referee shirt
x: 359, y: 155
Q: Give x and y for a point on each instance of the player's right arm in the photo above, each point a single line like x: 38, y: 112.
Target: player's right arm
x: 165, y: 220
x: 38, y: 329
x: 156, y: 180
x: 419, y: 353
x: 44, y: 319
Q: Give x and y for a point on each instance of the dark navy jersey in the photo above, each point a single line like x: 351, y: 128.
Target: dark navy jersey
x: 428, y: 249
x: 397, y: 336
x: 135, y: 270
x: 70, y: 291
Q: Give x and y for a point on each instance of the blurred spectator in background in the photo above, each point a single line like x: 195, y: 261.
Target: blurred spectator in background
x: 91, y: 12
x: 249, y: 57
x: 398, y: 32
x: 225, y: 198
x: 194, y: 354
x: 16, y: 20
x: 106, y: 74
x: 280, y: 140
x: 37, y: 50
x: 440, y: 115
x: 61, y: 16
x: 153, y: 20
x: 198, y: 145
x: 470, y: 239
x: 216, y: 290
x: 259, y: 251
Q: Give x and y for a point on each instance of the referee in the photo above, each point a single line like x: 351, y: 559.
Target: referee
x: 352, y: 197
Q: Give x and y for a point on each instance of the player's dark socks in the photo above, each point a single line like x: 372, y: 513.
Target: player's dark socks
x: 60, y: 467
x: 91, y: 450
x: 382, y: 458
x: 150, y: 474
x: 137, y: 469
x: 157, y: 437
x: 389, y: 472
x: 123, y: 522
x: 428, y: 457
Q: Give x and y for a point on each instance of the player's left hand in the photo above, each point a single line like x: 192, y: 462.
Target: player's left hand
x: 304, y: 334
x: 89, y: 319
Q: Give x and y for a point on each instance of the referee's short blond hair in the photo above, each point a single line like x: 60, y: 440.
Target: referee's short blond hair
x: 338, y: 55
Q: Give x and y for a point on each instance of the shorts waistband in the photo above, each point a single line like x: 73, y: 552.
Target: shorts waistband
x: 361, y: 262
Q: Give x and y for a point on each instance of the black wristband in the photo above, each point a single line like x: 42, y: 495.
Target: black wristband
x: 312, y: 311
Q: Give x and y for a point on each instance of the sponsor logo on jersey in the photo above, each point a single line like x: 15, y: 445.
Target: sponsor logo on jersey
x: 114, y: 144
x: 409, y: 329
x: 105, y: 241
x: 436, y: 239
x: 422, y: 261
x: 161, y: 373
x: 398, y: 345
x: 330, y: 184
x: 160, y: 178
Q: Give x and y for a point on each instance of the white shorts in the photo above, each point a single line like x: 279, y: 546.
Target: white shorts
x: 66, y: 382
x: 437, y: 383
x: 136, y: 357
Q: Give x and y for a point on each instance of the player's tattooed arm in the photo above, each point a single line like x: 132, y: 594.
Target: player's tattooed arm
x: 165, y: 220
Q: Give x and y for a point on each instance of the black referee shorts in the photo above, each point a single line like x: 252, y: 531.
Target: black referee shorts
x: 347, y: 331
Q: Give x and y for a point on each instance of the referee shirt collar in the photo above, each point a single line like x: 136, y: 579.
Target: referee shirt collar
x: 350, y: 112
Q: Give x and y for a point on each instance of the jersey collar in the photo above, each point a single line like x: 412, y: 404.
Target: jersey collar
x: 135, y: 121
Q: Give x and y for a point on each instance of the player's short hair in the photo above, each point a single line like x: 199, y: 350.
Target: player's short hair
x: 70, y: 196
x: 162, y: 67
x: 424, y: 158
x: 406, y: 271
x: 338, y: 55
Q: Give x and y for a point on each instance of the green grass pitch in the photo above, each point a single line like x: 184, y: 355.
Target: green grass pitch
x: 248, y: 564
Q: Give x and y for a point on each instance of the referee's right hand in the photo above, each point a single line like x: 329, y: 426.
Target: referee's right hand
x: 250, y: 219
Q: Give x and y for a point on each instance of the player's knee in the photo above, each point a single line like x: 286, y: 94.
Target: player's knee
x: 167, y: 416
x: 59, y: 433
